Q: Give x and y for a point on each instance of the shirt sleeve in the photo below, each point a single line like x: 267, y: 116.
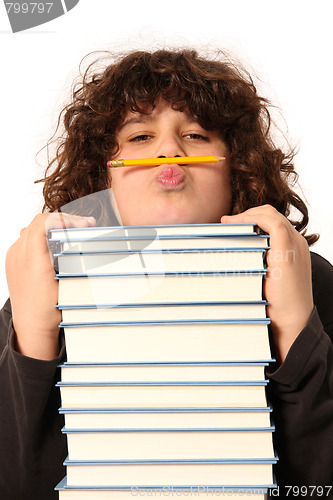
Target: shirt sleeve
x: 32, y: 445
x: 301, y: 392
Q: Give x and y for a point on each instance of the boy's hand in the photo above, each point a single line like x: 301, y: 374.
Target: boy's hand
x: 288, y: 285
x: 32, y: 288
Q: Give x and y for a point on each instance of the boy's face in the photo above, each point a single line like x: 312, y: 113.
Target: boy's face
x: 186, y: 194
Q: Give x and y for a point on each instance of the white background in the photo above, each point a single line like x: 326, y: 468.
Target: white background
x: 288, y: 44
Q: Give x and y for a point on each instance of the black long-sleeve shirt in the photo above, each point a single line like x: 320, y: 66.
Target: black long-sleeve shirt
x: 32, y: 447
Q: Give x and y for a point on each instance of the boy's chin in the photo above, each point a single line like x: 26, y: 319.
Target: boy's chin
x: 163, y: 213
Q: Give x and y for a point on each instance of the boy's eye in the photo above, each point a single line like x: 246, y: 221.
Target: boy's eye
x: 197, y: 137
x: 140, y: 138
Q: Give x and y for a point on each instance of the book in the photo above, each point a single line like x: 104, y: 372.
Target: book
x: 131, y: 232
x: 211, y: 473
x: 167, y: 418
x: 169, y: 444
x: 125, y: 238
x: 160, y: 287
x: 209, y: 341
x: 163, y: 372
x: 109, y: 313
x: 160, y: 261
x: 67, y: 492
x: 159, y: 395
x: 167, y: 343
x: 138, y: 244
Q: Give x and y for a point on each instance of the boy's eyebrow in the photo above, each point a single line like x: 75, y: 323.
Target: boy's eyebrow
x: 136, y: 119
x: 145, y: 118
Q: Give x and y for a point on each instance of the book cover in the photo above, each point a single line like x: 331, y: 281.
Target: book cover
x: 161, y: 396
x: 170, y: 444
x: 152, y: 261
x: 165, y: 342
x: 90, y: 418
x: 102, y: 313
x: 68, y: 492
x: 160, y: 287
x: 127, y: 232
x: 162, y: 372
x: 213, y: 473
x: 139, y: 243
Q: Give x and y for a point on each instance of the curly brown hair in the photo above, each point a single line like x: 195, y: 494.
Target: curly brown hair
x: 218, y: 94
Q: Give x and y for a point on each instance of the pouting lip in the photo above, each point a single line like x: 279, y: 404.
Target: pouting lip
x: 169, y: 172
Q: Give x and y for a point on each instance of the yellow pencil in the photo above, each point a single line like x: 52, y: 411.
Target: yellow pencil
x: 154, y: 162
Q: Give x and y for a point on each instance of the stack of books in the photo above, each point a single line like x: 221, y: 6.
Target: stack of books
x: 164, y: 386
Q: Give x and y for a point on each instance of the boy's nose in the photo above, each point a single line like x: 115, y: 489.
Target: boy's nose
x: 168, y: 148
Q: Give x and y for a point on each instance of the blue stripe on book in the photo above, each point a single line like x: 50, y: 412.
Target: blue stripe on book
x: 162, y: 304
x: 174, y: 462
x: 66, y: 364
x: 266, y: 362
x: 271, y: 429
x: 195, y: 489
x: 251, y: 409
x: 168, y: 274
x: 162, y: 384
x: 259, y: 321
x: 166, y: 251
